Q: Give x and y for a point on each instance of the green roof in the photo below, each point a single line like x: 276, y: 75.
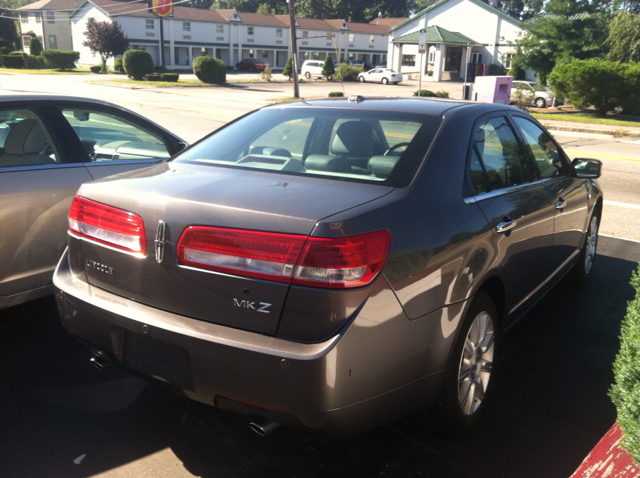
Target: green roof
x: 489, y: 8
x: 436, y: 34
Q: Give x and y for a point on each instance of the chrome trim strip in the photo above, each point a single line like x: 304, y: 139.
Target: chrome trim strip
x: 160, y: 243
x: 137, y: 255
x: 500, y: 192
x: 36, y: 167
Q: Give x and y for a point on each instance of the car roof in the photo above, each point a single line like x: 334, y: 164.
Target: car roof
x: 401, y: 105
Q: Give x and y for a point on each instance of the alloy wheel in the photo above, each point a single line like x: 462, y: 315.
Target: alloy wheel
x: 476, y: 364
x: 591, y: 244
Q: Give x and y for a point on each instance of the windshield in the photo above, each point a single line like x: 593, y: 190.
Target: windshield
x: 346, y: 144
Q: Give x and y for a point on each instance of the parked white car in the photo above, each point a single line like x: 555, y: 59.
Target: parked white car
x: 312, y: 68
x: 539, y: 99
x: 383, y: 75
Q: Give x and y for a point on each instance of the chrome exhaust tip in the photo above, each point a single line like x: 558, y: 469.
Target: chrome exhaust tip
x: 263, y: 427
x: 100, y: 361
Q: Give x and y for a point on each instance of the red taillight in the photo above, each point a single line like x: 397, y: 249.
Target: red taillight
x: 322, y: 262
x: 107, y: 225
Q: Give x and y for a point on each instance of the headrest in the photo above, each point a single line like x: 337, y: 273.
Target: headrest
x: 270, y: 151
x: 323, y: 162
x: 353, y: 138
x: 381, y: 166
x: 25, y: 137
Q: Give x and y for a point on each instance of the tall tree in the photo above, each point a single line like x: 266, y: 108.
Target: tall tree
x: 252, y: 6
x: 357, y: 10
x: 8, y: 33
x: 106, y: 39
x: 571, y: 29
x: 624, y: 37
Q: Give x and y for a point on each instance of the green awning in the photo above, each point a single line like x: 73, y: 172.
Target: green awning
x: 437, y: 34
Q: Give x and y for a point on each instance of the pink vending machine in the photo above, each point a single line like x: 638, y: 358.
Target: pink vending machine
x: 492, y: 89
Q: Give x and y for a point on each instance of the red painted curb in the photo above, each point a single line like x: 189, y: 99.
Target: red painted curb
x: 607, y: 459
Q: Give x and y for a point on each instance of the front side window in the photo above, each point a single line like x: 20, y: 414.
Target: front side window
x: 24, y: 140
x: 108, y: 137
x: 150, y: 24
x: 498, y: 151
x: 545, y: 152
x: 330, y: 143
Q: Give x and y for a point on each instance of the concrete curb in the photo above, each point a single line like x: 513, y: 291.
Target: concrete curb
x: 607, y: 459
x: 581, y: 129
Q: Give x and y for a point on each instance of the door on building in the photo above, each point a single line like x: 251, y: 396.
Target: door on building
x: 452, y: 61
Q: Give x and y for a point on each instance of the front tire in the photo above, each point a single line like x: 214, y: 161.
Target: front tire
x: 540, y: 103
x: 385, y: 81
x: 361, y: 79
x: 467, y: 381
x: 582, y: 269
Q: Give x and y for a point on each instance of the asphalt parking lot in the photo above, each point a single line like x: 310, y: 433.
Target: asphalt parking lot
x: 550, y: 408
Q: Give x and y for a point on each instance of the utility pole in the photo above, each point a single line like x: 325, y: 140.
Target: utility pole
x: 294, y: 48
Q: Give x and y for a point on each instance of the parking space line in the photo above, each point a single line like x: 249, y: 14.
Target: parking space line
x: 621, y: 204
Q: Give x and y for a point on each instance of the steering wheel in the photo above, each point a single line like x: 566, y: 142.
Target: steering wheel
x: 394, y: 147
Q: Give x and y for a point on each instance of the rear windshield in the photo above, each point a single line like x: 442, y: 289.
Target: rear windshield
x: 334, y: 143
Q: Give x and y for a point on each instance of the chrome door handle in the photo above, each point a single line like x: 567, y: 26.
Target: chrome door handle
x: 506, y: 226
x: 561, y: 204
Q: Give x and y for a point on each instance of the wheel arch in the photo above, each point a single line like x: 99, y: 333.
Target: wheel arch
x: 495, y: 286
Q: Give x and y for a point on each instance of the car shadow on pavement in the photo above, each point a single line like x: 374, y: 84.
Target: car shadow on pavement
x: 550, y: 405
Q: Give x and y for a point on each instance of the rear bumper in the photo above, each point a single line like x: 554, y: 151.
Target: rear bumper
x: 381, y: 367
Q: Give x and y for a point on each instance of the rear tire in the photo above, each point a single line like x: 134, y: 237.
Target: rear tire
x: 467, y: 381
x: 307, y: 75
x: 582, y: 269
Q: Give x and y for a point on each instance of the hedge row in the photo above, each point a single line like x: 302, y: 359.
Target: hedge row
x: 60, y: 59
x: 15, y: 61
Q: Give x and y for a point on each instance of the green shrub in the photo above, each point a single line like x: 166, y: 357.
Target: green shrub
x: 171, y: 77
x: 266, y: 74
x: 328, y: 70
x: 210, y: 70
x: 153, y: 77
x: 425, y: 93
x: 348, y: 72
x: 601, y: 84
x: 60, y: 59
x: 95, y: 68
x: 288, y: 70
x: 518, y: 73
x: 35, y: 47
x: 336, y: 94
x: 442, y: 94
x: 496, y: 70
x: 13, y: 61
x: 137, y: 63
x: 117, y: 65
x: 625, y: 392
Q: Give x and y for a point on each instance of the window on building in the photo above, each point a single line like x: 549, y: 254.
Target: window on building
x: 41, y: 40
x: 249, y: 30
x: 150, y: 24
x: 408, y: 60
x: 352, y: 37
x: 24, y: 17
x: 329, y: 35
x: 38, y: 17
x: 508, y: 59
x: 278, y: 32
x: 53, y: 42
x: 432, y: 54
x: 371, y: 38
x: 26, y: 39
x: 305, y: 33
x: 316, y: 55
x: 186, y: 26
x: 351, y: 57
x: 51, y: 17
x: 265, y: 54
x: 476, y: 57
x: 219, y: 28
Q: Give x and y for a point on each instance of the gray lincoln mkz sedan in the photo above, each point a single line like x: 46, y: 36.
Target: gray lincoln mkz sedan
x: 331, y: 265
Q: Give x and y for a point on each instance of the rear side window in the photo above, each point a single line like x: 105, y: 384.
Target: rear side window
x: 345, y: 144
x: 24, y: 140
x: 497, y: 149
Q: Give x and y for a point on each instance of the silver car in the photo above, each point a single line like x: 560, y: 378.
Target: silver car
x: 49, y: 146
x: 533, y: 95
x: 381, y: 75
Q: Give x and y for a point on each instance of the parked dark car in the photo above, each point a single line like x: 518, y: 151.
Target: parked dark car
x: 49, y: 145
x: 331, y: 265
x: 250, y: 64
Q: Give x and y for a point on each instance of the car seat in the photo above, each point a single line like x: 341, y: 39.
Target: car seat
x: 24, y: 145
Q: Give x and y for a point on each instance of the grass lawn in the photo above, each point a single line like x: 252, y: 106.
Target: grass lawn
x: 587, y: 118
x: 45, y: 71
x: 156, y: 84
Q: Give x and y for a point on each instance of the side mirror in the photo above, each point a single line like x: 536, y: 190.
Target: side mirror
x: 183, y: 145
x: 587, y: 168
